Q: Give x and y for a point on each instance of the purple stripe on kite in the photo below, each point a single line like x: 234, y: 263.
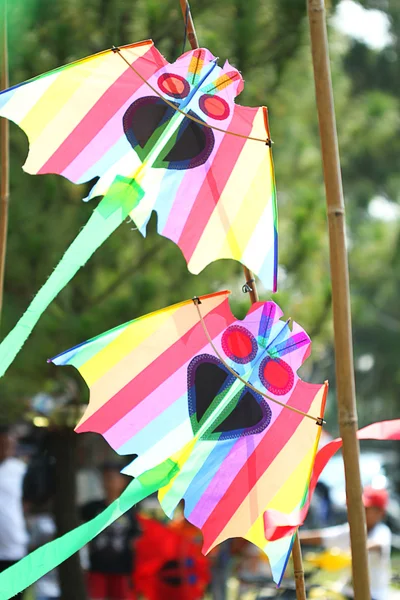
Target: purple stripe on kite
x: 205, y: 475
x: 100, y: 113
x: 267, y: 320
x: 293, y: 343
x: 232, y: 464
x: 148, y: 409
x: 159, y: 371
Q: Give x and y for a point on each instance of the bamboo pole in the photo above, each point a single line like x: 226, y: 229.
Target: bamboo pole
x: 187, y: 16
x: 346, y: 397
x: 4, y: 148
x: 298, y: 569
x: 253, y: 295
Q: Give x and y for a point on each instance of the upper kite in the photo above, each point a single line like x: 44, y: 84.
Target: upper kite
x: 159, y: 137
x: 172, y: 130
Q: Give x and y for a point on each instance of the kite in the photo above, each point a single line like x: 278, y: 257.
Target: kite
x: 218, y: 417
x: 159, y: 137
x: 218, y: 397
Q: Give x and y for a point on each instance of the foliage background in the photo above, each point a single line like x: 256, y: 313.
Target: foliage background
x: 130, y: 276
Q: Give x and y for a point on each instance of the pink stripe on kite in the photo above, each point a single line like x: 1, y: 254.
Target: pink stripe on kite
x: 275, y: 438
x: 188, y: 190
x: 99, y: 146
x: 101, y: 112
x: 233, y: 463
x: 157, y: 372
x: 213, y: 185
x: 148, y: 409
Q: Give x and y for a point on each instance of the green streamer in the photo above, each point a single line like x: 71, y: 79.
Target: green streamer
x: 123, y: 196
x: 34, y: 566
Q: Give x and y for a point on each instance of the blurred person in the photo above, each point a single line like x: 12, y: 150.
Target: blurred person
x: 111, y: 553
x: 220, y: 570
x: 13, y: 532
x: 378, y: 541
x: 42, y: 529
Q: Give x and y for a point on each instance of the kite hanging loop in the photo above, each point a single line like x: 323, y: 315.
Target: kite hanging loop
x: 318, y: 420
x: 265, y: 141
x: 246, y: 288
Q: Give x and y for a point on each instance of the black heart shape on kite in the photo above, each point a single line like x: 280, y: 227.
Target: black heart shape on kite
x: 145, y: 121
x: 208, y: 379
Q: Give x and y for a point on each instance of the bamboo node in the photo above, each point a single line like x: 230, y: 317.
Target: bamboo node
x: 338, y: 212
x: 349, y: 422
x: 316, y: 5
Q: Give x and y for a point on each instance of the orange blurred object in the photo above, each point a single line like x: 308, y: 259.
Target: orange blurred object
x: 169, y: 563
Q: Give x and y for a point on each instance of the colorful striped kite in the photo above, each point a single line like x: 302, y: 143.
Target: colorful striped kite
x: 175, y: 385
x: 161, y: 137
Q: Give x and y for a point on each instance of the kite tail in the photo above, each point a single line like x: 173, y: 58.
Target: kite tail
x: 46, y: 558
x: 123, y: 196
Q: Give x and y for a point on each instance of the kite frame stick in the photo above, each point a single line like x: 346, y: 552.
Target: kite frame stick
x: 346, y: 396
x: 251, y: 287
x: 5, y: 157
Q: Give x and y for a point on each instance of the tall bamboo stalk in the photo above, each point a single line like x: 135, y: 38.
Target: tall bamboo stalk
x: 4, y: 146
x: 345, y: 384
x: 253, y: 295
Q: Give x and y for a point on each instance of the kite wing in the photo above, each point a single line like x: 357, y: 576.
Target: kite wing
x: 159, y: 389
x: 71, y: 115
x: 120, y: 115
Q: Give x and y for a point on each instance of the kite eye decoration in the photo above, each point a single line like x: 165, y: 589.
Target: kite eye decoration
x: 173, y: 85
x: 214, y: 107
x: 276, y: 376
x: 239, y: 344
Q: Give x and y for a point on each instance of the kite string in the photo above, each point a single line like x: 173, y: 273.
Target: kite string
x: 266, y: 141
x: 318, y: 420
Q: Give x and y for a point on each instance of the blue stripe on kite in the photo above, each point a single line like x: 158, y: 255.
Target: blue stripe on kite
x: 167, y: 196
x: 205, y: 475
x: 6, y: 95
x: 113, y: 155
x: 158, y: 428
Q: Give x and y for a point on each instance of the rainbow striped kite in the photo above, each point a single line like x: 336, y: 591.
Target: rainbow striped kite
x: 161, y: 137
x: 174, y: 385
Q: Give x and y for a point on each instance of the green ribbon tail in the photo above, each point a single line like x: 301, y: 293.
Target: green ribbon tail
x: 46, y: 558
x: 122, y: 197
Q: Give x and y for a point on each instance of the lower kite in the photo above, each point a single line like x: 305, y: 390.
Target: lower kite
x: 215, y: 412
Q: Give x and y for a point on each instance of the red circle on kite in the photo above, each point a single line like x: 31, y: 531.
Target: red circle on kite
x: 276, y: 375
x: 214, y: 107
x: 239, y: 344
x: 173, y: 85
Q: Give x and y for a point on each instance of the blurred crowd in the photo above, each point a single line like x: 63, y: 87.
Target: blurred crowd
x: 138, y: 556
x: 145, y: 556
